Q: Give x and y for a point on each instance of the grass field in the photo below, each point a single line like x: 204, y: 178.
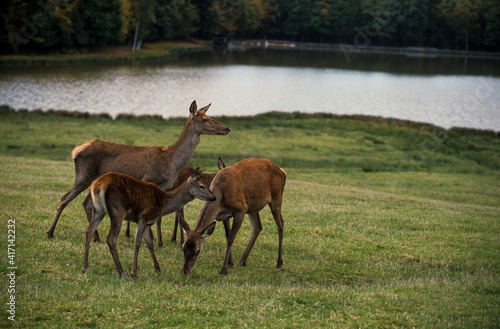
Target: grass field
x: 387, y: 224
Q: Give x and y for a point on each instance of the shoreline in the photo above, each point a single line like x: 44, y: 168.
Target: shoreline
x: 349, y: 50
x: 150, y: 51
x: 378, y: 120
x: 174, y: 49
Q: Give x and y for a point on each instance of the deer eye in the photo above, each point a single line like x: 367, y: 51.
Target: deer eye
x: 205, y: 120
x: 202, y: 186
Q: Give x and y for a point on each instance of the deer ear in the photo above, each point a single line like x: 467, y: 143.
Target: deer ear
x: 220, y: 163
x: 193, y: 108
x: 197, y: 172
x: 205, y: 109
x: 208, y: 231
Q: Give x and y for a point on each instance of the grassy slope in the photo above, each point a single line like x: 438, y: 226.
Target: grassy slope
x: 386, y: 224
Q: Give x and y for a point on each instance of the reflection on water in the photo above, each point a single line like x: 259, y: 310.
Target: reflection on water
x: 376, y: 62
x: 444, y: 91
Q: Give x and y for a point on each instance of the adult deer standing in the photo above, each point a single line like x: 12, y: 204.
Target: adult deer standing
x: 123, y: 197
x: 182, y: 176
x: 155, y: 164
x: 245, y: 187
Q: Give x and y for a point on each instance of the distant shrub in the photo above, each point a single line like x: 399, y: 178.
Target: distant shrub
x: 144, y: 117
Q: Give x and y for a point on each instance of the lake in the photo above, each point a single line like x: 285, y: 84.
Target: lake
x: 445, y: 91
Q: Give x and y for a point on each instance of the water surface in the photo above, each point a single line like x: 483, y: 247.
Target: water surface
x: 445, y: 91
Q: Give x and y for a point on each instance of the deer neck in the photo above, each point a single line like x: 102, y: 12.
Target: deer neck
x: 176, y: 199
x: 207, y: 215
x: 185, y: 145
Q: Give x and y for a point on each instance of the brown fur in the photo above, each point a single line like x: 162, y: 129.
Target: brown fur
x: 123, y: 197
x: 243, y: 188
x: 156, y: 164
x: 182, y: 176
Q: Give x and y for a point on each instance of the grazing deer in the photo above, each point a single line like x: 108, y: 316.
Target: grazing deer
x: 245, y: 187
x: 123, y: 197
x: 182, y: 176
x: 155, y: 164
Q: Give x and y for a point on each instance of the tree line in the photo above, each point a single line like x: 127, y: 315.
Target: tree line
x: 69, y: 25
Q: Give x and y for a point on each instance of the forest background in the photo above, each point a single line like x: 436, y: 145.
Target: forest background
x: 69, y: 26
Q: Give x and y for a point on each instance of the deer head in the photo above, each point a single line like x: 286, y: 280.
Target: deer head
x: 203, y: 124
x: 192, y: 244
x: 197, y: 188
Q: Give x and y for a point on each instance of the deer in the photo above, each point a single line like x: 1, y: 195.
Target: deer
x: 245, y: 187
x: 156, y: 164
x: 182, y: 176
x: 124, y: 197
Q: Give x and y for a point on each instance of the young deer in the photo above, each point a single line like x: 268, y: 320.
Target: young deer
x: 183, y: 175
x: 155, y: 164
x: 243, y: 188
x: 123, y: 197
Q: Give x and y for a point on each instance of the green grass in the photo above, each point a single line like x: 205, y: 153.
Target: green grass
x: 387, y: 224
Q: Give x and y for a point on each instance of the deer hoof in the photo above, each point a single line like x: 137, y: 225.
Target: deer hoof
x: 50, y: 235
x: 84, y: 270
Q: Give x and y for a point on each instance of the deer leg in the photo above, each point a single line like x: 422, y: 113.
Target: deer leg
x: 65, y: 200
x: 87, y: 205
x: 256, y: 229
x: 276, y: 211
x: 139, y: 232
x: 127, y: 230
x: 227, y: 229
x: 88, y: 236
x: 148, y: 238
x: 114, y: 231
x: 173, y: 237
x: 177, y: 221
x: 237, y: 221
x: 181, y: 231
x: 179, y: 217
x: 158, y: 233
